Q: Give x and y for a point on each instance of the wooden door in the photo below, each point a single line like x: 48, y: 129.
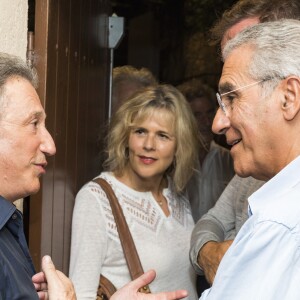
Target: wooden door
x: 72, y: 60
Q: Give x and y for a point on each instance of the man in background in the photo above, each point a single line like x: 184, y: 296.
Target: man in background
x: 126, y: 80
x: 215, y: 167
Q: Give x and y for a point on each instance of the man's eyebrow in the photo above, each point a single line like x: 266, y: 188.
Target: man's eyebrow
x: 226, y: 87
x: 36, y: 114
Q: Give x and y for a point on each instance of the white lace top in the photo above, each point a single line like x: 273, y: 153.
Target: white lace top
x: 162, y: 242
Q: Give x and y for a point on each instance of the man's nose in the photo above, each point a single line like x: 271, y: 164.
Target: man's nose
x: 47, y: 145
x: 221, y: 123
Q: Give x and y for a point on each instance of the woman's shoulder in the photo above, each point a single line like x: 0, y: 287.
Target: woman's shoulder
x: 92, y: 190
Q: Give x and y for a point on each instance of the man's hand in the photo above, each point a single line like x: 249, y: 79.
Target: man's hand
x: 52, y: 284
x: 130, y: 290
x: 209, y: 258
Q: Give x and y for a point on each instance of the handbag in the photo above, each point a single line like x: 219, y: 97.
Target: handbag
x: 106, y: 289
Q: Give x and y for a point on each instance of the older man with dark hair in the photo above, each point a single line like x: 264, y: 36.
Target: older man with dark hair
x: 25, y: 145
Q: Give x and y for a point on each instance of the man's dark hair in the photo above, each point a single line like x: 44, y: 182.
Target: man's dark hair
x: 14, y: 67
x: 265, y: 10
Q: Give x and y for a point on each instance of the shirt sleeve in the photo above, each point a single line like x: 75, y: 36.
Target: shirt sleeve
x: 89, y: 241
x: 261, y: 264
x: 214, y: 225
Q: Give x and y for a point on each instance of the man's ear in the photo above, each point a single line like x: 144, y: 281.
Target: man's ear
x: 290, y: 104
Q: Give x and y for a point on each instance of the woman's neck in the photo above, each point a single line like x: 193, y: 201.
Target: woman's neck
x: 150, y: 184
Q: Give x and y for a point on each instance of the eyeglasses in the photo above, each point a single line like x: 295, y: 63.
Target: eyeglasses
x: 222, y: 103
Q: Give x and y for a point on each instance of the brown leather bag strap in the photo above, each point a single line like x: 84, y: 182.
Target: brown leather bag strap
x: 107, y: 289
x: 131, y: 255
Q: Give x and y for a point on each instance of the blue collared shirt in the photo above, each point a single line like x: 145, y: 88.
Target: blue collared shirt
x: 16, y: 267
x: 263, y: 263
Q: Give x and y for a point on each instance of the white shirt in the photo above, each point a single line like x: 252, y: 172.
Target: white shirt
x: 263, y: 263
x: 162, y: 242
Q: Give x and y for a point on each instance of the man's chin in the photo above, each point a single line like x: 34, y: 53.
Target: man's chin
x: 249, y: 172
x: 243, y: 175
x: 34, y: 189
x: 241, y: 170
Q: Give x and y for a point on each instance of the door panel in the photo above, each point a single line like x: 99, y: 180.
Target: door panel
x: 74, y: 76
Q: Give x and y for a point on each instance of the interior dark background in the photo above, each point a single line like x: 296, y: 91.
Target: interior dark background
x: 170, y: 37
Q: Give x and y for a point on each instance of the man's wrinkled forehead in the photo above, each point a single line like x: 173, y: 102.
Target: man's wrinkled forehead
x: 235, y: 72
x: 237, y: 28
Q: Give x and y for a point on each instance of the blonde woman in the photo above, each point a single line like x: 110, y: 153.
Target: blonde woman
x: 152, y: 150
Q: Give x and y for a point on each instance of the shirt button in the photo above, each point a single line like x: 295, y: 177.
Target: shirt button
x: 14, y: 216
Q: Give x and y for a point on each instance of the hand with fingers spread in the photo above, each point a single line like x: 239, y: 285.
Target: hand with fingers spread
x: 52, y: 284
x: 130, y: 290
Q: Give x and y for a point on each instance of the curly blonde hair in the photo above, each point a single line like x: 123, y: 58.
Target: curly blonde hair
x: 139, y: 108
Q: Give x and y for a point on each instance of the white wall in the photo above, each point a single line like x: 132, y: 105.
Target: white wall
x: 13, y: 27
x: 13, y: 34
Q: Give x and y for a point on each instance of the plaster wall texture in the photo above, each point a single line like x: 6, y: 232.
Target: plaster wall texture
x: 13, y: 27
x: 13, y: 35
